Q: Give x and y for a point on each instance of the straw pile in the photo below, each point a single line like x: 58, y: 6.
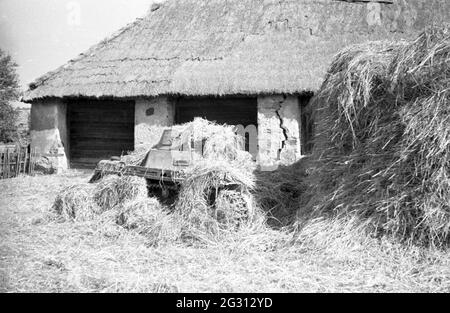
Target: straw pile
x: 116, y: 203
x: 216, y: 192
x: 148, y: 218
x: 86, y: 201
x: 114, y: 190
x: 386, y: 108
x: 75, y: 203
x: 220, y: 141
x: 278, y: 193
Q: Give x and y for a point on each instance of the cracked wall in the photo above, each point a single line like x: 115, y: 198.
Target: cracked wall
x: 279, y: 127
x: 151, y: 117
x: 49, y: 134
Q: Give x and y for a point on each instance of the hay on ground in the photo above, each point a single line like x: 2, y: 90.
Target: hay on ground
x: 75, y: 203
x: 86, y: 201
x: 280, y: 193
x: 114, y: 190
x: 148, y: 218
x: 138, y: 214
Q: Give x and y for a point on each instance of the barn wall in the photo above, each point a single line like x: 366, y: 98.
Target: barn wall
x: 49, y: 132
x: 151, y: 117
x: 279, y: 125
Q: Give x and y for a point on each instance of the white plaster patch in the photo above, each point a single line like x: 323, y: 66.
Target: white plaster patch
x: 278, y: 131
x: 152, y: 116
x: 290, y: 114
x: 147, y: 135
x: 45, y: 141
x: 49, y: 145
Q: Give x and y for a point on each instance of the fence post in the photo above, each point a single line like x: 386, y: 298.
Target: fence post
x: 17, y: 169
x: 7, y: 163
x: 17, y: 160
x: 29, y: 162
x: 1, y: 164
x: 10, y: 157
x: 25, y: 160
x: 21, y: 160
x: 4, y: 164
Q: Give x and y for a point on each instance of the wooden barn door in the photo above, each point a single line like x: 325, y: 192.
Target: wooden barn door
x: 98, y: 130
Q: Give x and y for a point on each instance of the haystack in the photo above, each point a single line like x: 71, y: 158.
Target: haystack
x: 84, y: 202
x: 383, y: 137
x: 75, y: 203
x: 114, y: 190
x: 278, y: 193
x: 138, y: 214
x: 148, y: 218
x: 216, y: 191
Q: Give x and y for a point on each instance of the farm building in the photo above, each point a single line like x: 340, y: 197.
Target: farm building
x: 254, y: 63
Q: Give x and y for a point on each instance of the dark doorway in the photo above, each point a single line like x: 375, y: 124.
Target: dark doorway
x: 99, y: 129
x: 236, y: 111
x: 307, y: 124
x: 231, y: 110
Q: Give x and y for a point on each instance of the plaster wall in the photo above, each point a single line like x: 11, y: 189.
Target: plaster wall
x: 151, y: 117
x: 48, y: 133
x: 279, y: 125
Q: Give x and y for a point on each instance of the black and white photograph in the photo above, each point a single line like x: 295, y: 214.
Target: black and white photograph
x: 224, y: 147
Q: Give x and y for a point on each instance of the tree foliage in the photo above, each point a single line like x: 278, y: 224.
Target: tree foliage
x: 9, y: 91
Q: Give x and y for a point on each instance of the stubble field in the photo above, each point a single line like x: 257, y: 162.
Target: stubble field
x: 37, y: 255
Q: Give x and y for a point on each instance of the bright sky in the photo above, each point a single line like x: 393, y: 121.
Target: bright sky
x: 42, y: 35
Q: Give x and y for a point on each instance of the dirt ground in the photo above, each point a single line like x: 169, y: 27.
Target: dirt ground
x: 41, y: 256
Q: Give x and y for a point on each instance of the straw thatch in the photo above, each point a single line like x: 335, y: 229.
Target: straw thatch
x: 217, y: 47
x: 383, y: 137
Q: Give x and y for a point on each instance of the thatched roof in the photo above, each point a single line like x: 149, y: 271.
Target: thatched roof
x: 227, y: 47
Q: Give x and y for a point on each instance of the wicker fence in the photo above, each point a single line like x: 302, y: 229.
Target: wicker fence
x: 16, y: 160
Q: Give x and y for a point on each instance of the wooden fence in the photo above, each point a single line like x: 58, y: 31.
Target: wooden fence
x: 16, y: 160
